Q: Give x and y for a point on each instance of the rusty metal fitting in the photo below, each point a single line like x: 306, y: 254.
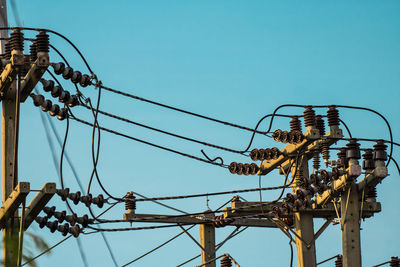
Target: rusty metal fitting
x: 309, y: 117
x: 333, y: 116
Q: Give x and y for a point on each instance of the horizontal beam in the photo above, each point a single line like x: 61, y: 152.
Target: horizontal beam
x: 10, y: 206
x: 187, y: 219
x: 38, y: 203
x: 373, y: 178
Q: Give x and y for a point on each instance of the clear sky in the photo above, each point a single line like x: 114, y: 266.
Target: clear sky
x: 233, y: 60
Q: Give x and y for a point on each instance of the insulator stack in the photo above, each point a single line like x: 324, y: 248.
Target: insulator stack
x: 47, y: 106
x: 42, y: 221
x: 316, y: 160
x: 38, y: 100
x: 75, y: 230
x: 17, y: 40
x: 325, y: 176
x: 265, y: 154
x: 353, y: 150
x: 309, y: 117
x: 295, y: 124
x: 75, y: 197
x: 333, y: 116
x: 60, y: 215
x: 33, y: 51
x: 42, y: 41
x: 320, y: 125
x: 72, y: 219
x: 63, y: 193
x: 69, y: 73
x: 57, y: 91
x: 88, y: 200
x: 49, y: 211
x: 380, y: 151
x: 226, y: 261
x: 394, y: 262
x: 130, y: 202
x: 368, y: 162
x: 240, y: 168
x: 325, y: 153
x: 371, y: 194
x: 220, y: 221
x: 342, y: 160
x: 64, y: 229
x: 339, y: 261
x: 7, y: 50
x: 299, y: 177
x: 336, y: 173
x: 292, y: 137
x: 52, y: 226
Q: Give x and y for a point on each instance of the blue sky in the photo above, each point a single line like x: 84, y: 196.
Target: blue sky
x: 233, y: 60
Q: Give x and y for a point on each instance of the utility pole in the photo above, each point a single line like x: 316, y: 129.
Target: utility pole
x: 207, y: 241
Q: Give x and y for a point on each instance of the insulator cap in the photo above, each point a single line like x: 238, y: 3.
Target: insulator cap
x: 62, y: 114
x: 64, y: 96
x: 42, y: 40
x: 85, y: 80
x: 353, y: 149
x: 56, y: 92
x: 48, y: 85
x: 52, y: 226
x: 380, y: 151
x: 67, y: 73
x: 75, y: 197
x: 87, y: 200
x: 55, y: 109
x: 42, y: 221
x: 75, y: 230
x: 49, y: 210
x: 63, y: 193
x: 46, y: 106
x: 76, y: 77
x: 71, y: 219
x: 38, y: 100
x: 84, y: 220
x: 58, y: 68
x: 60, y: 215
x: 64, y: 229
x: 309, y: 117
x: 99, y: 201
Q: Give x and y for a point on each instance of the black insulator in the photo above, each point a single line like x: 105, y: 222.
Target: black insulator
x: 333, y: 116
x: 46, y: 106
x: 314, y: 179
x: 56, y: 92
x: 309, y: 117
x: 368, y: 162
x: 262, y: 154
x: 130, y: 201
x: 42, y: 40
x: 63, y: 193
x: 233, y: 167
x: 87, y: 199
x: 33, y: 51
x: 17, y: 40
x: 71, y: 219
x: 49, y: 210
x: 7, y: 50
x: 67, y: 73
x: 64, y: 96
x: 76, y: 76
x: 99, y: 201
x: 38, y: 100
x: 290, y: 198
x: 316, y: 159
x: 394, y: 262
x: 60, y: 215
x: 52, y: 226
x: 320, y: 125
x: 254, y: 155
x: 73, y: 101
x: 48, y: 85
x: 84, y: 220
x: 336, y: 173
x: 339, y: 261
x: 325, y: 153
x: 240, y: 169
x: 64, y: 229
x: 62, y: 114
x: 295, y: 124
x: 58, y: 68
x: 220, y: 221
x: 380, y: 150
x: 342, y: 160
x: 75, y: 197
x: 353, y: 149
x: 276, y: 135
x: 275, y: 153
x: 55, y: 109
x: 85, y: 80
x: 75, y: 230
x: 325, y: 176
x: 246, y: 169
x: 226, y: 261
x: 371, y: 193
x: 42, y: 221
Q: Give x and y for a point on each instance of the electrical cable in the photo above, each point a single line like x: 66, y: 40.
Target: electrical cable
x: 159, y: 246
x: 328, y: 259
